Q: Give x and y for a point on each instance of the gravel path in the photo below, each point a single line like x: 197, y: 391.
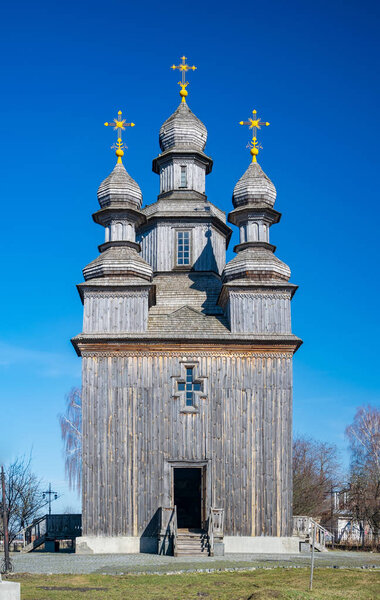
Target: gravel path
x: 116, y: 564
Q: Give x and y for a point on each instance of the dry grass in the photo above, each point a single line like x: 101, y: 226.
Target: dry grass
x: 339, y: 584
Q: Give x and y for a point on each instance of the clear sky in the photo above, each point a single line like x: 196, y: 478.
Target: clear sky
x: 310, y: 68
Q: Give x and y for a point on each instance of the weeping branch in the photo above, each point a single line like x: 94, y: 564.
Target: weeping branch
x: 71, y: 432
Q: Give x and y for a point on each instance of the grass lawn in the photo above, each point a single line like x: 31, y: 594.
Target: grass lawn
x: 262, y: 584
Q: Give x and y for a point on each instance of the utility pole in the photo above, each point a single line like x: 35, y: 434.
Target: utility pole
x: 7, y: 561
x: 332, y: 516
x: 49, y: 493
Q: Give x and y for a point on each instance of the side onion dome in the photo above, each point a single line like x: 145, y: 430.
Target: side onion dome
x: 256, y: 263
x: 183, y: 130
x: 254, y: 188
x: 118, y: 262
x: 120, y: 188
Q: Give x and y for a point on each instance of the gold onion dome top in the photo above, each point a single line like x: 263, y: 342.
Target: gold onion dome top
x: 183, y: 130
x: 119, y: 187
x: 254, y: 187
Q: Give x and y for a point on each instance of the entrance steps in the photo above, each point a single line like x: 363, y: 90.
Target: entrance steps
x: 191, y: 542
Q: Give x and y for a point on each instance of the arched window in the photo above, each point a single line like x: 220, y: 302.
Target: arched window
x: 118, y: 231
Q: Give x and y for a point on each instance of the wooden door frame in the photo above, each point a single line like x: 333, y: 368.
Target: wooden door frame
x: 204, y: 465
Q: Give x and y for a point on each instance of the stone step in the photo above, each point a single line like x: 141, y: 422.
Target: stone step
x: 192, y: 538
x: 190, y: 554
x: 191, y: 545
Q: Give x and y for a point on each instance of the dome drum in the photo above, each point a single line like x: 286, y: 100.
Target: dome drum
x: 250, y: 212
x: 187, y: 154
x: 117, y: 212
x: 119, y: 244
x: 245, y: 245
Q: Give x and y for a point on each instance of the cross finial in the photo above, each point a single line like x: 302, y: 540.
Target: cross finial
x: 183, y: 67
x: 119, y: 125
x: 254, y: 124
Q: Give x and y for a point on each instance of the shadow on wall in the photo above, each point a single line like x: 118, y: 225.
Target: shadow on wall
x: 149, y: 537
x: 206, y: 278
x: 206, y: 260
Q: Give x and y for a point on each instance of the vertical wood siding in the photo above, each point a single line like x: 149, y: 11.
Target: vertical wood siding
x: 259, y: 313
x: 170, y: 175
x: 115, y: 312
x: 207, y: 252
x: 133, y: 428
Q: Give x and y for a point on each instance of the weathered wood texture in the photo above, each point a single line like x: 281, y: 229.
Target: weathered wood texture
x: 208, y: 246
x: 115, y: 312
x: 254, y: 230
x: 134, y: 428
x: 170, y: 175
x: 259, y: 312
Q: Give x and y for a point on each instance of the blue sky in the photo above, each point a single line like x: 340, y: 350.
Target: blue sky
x: 309, y: 68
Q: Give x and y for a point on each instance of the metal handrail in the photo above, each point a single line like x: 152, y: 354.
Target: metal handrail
x: 210, y: 531
x: 215, y: 527
x: 174, y: 529
x: 34, y: 526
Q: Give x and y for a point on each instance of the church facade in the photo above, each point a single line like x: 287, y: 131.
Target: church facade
x: 187, y: 363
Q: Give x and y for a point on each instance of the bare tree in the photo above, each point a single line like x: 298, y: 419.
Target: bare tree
x: 316, y: 469
x: 23, y: 493
x: 71, y: 433
x: 364, y: 440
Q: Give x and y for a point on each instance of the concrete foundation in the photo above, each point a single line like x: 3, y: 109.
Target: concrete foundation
x: 230, y: 545
x: 261, y: 545
x: 9, y: 590
x: 107, y: 545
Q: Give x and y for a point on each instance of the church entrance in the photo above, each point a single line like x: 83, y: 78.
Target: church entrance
x: 188, y: 497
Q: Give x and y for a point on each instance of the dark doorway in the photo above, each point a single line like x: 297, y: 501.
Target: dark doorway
x: 188, y: 497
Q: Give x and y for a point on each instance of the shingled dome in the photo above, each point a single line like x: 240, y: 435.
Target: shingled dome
x: 254, y: 187
x: 119, y: 187
x: 183, y: 129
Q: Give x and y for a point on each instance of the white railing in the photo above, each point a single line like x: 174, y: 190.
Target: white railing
x: 303, y: 527
x: 215, y: 527
x: 168, y: 529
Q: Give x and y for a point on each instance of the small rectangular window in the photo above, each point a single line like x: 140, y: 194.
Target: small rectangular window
x: 183, y: 183
x: 183, y: 248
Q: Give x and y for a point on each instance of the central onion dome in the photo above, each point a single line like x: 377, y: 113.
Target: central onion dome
x: 183, y: 130
x: 119, y: 187
x: 254, y: 187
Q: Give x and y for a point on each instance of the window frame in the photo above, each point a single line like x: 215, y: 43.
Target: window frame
x: 183, y: 170
x: 177, y: 244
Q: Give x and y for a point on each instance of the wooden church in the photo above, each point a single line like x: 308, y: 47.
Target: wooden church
x: 187, y: 361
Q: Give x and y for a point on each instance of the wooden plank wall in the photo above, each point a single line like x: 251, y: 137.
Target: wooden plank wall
x: 112, y: 311
x: 207, y: 253
x: 133, y: 428
x: 170, y: 175
x: 259, y: 312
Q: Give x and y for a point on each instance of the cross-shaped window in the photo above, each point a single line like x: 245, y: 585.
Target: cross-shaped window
x: 189, y: 386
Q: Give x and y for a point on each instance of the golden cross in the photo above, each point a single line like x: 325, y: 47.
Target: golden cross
x: 254, y: 124
x: 119, y: 125
x: 183, y: 67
